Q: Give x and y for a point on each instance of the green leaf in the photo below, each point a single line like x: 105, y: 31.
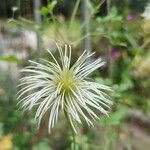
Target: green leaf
x: 9, y: 59
x: 52, y: 5
x: 131, y: 40
x: 44, y: 11
x: 49, y: 8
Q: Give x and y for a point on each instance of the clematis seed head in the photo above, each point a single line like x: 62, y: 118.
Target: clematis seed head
x: 55, y: 85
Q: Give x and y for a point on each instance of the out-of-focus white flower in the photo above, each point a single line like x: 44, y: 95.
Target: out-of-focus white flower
x: 55, y: 85
x: 14, y: 8
x: 146, y: 13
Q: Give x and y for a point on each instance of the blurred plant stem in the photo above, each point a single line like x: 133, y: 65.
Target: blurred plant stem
x: 110, y: 61
x: 74, y: 12
x: 108, y: 5
x: 86, y: 28
x: 89, y: 34
x: 37, y: 16
x: 72, y: 129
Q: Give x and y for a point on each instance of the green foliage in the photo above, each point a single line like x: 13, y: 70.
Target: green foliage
x: 116, y: 30
x: 94, y: 7
x: 9, y: 59
x: 115, y: 118
x: 111, y: 135
x: 43, y: 145
x: 48, y: 9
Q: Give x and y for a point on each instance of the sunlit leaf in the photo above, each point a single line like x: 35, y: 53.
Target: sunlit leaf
x: 9, y: 58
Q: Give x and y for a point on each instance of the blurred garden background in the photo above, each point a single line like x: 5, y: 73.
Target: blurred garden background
x: 119, y: 32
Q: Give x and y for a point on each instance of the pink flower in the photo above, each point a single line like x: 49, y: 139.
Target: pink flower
x: 115, y: 53
x: 131, y: 17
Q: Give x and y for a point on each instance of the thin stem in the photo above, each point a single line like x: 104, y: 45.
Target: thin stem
x: 86, y: 19
x: 74, y: 141
x: 73, y: 132
x: 110, y: 62
x: 74, y: 12
x: 90, y: 34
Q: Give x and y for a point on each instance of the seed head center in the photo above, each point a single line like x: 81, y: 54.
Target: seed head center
x: 68, y: 81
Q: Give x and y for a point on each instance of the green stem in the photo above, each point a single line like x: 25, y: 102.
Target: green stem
x: 74, y: 141
x: 74, y: 12
x: 72, y: 128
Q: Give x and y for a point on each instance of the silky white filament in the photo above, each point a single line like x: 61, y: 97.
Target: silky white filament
x: 55, y: 85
